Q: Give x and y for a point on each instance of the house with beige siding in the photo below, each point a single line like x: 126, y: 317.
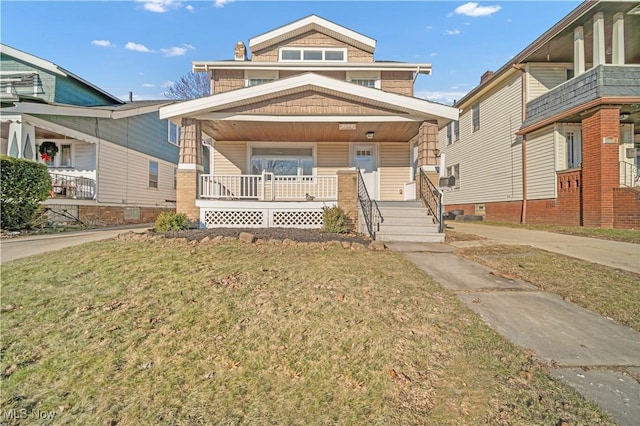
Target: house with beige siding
x: 303, y: 118
x: 553, y: 136
x: 110, y: 161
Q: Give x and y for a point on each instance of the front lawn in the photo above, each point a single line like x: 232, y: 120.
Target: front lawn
x: 173, y: 332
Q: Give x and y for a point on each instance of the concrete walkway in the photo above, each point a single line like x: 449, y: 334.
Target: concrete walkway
x: 19, y: 247
x: 609, y: 253
x: 596, y: 356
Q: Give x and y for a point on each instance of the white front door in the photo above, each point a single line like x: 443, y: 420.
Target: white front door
x: 365, y: 160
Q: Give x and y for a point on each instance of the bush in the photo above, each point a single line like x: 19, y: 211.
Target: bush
x: 334, y: 220
x: 171, y: 221
x: 24, y: 184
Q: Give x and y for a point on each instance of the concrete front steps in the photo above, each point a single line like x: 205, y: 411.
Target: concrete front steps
x: 407, y: 221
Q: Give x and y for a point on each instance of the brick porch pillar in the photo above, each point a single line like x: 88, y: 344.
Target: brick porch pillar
x: 600, y: 167
x: 189, y: 169
x: 348, y: 196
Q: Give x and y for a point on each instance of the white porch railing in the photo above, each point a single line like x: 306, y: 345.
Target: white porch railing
x: 268, y: 187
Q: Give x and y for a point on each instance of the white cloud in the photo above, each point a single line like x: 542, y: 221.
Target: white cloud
x: 160, y: 6
x: 148, y: 85
x: 474, y: 9
x: 137, y: 47
x: 428, y: 27
x: 189, y: 8
x: 452, y: 32
x: 222, y: 3
x: 433, y: 54
x: 442, y: 97
x: 102, y: 43
x: 177, y: 50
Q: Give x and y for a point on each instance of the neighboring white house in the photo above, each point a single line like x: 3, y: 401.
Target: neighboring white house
x: 553, y: 136
x: 111, y: 161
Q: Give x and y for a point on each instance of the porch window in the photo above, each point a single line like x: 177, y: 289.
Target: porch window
x: 366, y: 82
x: 574, y: 149
x: 153, y: 174
x: 475, y: 112
x: 282, y: 161
x: 257, y: 81
x: 65, y: 156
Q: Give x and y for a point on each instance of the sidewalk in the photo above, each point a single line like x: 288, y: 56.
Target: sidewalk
x: 597, y: 357
x: 609, y: 253
x: 19, y: 247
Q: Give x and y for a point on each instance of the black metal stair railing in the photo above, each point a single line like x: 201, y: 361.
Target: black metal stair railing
x: 431, y: 197
x: 369, y: 207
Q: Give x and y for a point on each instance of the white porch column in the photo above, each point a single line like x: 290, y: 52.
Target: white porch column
x: 598, y: 39
x: 578, y: 51
x: 617, y: 41
x: 22, y: 140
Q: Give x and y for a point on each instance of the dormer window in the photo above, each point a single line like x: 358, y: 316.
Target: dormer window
x: 313, y: 54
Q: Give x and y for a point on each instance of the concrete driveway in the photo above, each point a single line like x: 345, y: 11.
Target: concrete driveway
x: 19, y: 247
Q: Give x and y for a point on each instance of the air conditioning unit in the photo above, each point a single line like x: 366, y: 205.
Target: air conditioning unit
x: 632, y: 152
x: 447, y: 182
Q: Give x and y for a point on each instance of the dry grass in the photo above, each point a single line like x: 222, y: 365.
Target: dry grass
x: 611, y: 292
x: 165, y: 332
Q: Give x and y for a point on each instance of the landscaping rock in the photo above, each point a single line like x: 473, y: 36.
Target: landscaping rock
x: 247, y: 237
x: 288, y: 242
x: 275, y: 241
x: 346, y: 244
x: 358, y: 246
x: 377, y: 245
x: 205, y: 240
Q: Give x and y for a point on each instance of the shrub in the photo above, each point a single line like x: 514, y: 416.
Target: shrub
x: 171, y: 221
x: 334, y: 220
x: 24, y: 184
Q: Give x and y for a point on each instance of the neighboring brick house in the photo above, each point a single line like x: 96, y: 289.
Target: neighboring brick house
x: 310, y: 105
x: 111, y: 162
x: 554, y: 135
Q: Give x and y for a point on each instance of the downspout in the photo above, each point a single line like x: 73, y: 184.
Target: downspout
x: 523, y: 214
x: 415, y: 75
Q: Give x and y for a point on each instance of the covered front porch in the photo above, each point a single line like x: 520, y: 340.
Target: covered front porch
x: 276, y: 154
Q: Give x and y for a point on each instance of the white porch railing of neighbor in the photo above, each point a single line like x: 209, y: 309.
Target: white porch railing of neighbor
x: 268, y: 187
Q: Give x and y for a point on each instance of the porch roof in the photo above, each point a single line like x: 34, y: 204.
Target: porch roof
x: 404, y: 107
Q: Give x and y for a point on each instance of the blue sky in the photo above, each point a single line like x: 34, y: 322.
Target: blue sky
x: 141, y: 46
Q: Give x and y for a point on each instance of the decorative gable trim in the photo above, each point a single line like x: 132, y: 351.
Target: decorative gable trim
x: 312, y: 23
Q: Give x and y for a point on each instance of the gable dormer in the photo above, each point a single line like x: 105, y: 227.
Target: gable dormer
x: 312, y: 39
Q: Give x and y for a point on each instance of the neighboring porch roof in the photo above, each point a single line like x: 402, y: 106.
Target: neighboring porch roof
x: 406, y: 107
x: 312, y: 23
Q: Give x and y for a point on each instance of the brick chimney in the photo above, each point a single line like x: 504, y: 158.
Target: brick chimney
x: 486, y: 76
x: 240, y: 52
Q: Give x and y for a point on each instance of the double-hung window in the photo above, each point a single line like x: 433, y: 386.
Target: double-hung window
x: 456, y: 131
x: 153, y: 174
x: 173, y: 133
x: 475, y: 116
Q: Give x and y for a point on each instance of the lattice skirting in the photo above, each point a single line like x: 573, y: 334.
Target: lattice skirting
x: 261, y: 218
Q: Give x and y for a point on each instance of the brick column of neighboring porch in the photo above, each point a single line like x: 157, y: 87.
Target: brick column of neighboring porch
x: 348, y: 196
x: 600, y: 167
x: 189, y: 169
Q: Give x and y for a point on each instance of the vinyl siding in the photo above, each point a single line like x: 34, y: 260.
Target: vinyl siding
x: 146, y: 133
x: 123, y: 178
x: 490, y: 159
x: 56, y: 88
x: 85, y: 156
x: 230, y: 158
x: 541, y: 172
x: 544, y: 77
x: 332, y: 157
x: 394, y: 168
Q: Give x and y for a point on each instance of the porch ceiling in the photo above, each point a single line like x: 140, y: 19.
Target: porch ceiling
x: 309, y: 132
